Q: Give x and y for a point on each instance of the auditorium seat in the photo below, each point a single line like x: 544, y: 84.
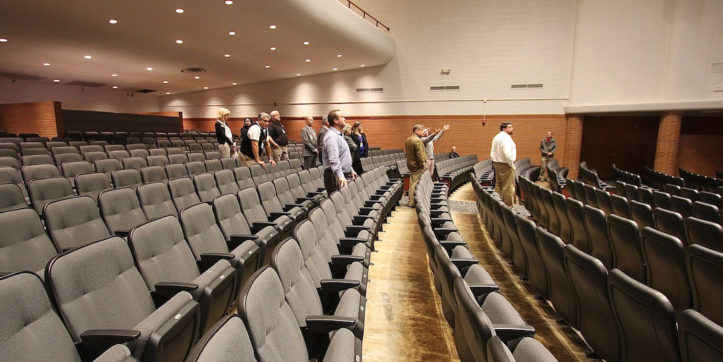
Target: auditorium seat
x: 704, y: 233
x: 24, y: 245
x: 72, y: 169
x: 153, y: 174
x: 46, y: 190
x: 671, y: 223
x: 551, y: 250
x: 36, y: 172
x: 97, y: 287
x: 243, y: 177
x: 255, y: 213
x: 589, y: 280
x: 597, y: 230
x: 286, y: 197
x: 620, y: 205
x: 121, y: 211
x: 274, y: 332
x: 706, y: 212
x: 258, y: 173
x: 711, y: 198
x: 119, y: 155
x: 156, y: 200
x: 10, y: 162
x: 665, y: 266
x: 196, y: 157
x: 310, y: 188
x: 206, y: 187
x: 226, y: 182
x: 661, y: 199
x: 134, y: 163
x: 536, y: 273
x: 274, y: 208
x: 705, y: 272
x: 32, y: 330
x: 108, y: 166
x: 209, y: 245
x: 330, y: 238
x: 631, y: 192
x: 113, y: 148
x: 604, y: 201
x: 126, y: 178
x: 228, y: 163
x: 681, y: 205
x: 167, y: 265
x: 578, y: 235
x: 524, y: 350
x: 39, y: 151
x: 195, y: 168
x: 645, y: 319
x: 62, y: 158
x: 183, y: 193
x: 175, y: 171
x: 700, y: 339
x: 354, y: 242
x: 689, y: 193
x: 74, y: 222
x: 213, y: 165
x: 94, y: 156
x: 626, y: 248
x: 84, y: 149
x: 645, y: 195
x: 227, y: 340
x: 642, y: 214
x: 11, y: 197
x: 553, y: 219
x: 138, y: 152
x: 179, y: 158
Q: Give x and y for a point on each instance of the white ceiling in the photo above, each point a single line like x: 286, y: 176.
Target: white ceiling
x: 63, y: 32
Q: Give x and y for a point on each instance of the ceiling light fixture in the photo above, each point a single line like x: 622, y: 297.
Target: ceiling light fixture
x: 267, y: 66
x: 168, y: 93
x: 272, y: 27
x: 87, y: 57
x: 46, y: 64
x: 3, y: 40
x: 149, y: 69
x: 198, y: 77
x: 227, y: 55
x: 179, y: 41
x: 114, y: 75
x: 298, y: 75
x: 115, y: 87
x: 165, y: 82
x: 228, y: 2
x: 56, y: 80
x: 205, y: 87
x: 231, y: 33
x: 234, y: 83
x: 363, y: 65
x: 306, y: 43
x: 272, y: 48
x: 308, y: 60
x: 335, y: 69
x: 180, y: 11
x: 338, y: 55
x: 113, y: 21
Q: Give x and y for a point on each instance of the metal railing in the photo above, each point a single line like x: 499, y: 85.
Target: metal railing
x: 368, y: 17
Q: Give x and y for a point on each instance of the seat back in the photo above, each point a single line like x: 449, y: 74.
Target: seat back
x: 243, y: 177
x: 258, y: 174
x: 473, y: 327
x: 27, y: 247
x: 578, y: 234
x: 152, y: 174
x: 625, y: 244
x: 158, y: 160
x: 226, y: 182
x: 156, y: 201
x: 597, y: 229
x: 229, y: 216
x: 134, y: 163
x: 46, y: 190
x: 201, y: 230
x: 195, y: 168
x: 183, y: 193
x: 251, y: 206
x: 642, y: 214
x: 526, y: 349
x: 665, y: 266
x: 175, y: 171
x: 551, y: 250
x: 645, y: 319
x: 681, y: 205
x: 11, y: 197
x: 62, y: 158
x: 226, y: 340
x: 108, y: 166
x: 670, y: 222
x: 705, y: 272
x: 121, y: 210
x: 126, y: 178
x: 704, y: 233
x: 620, y: 206
x: 558, y: 201
x: 661, y: 199
x: 206, y: 187
x: 705, y: 211
x: 535, y: 266
x: 36, y: 172
x: 700, y: 339
x: 74, y: 222
x: 213, y: 165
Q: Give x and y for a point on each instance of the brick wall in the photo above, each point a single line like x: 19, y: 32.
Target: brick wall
x: 701, y: 144
x: 666, y: 151
x: 43, y: 118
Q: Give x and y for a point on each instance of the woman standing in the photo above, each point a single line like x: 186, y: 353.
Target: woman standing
x: 226, y: 145
x: 360, y: 139
x: 353, y: 149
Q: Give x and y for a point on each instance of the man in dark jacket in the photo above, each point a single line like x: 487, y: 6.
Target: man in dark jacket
x: 548, y: 146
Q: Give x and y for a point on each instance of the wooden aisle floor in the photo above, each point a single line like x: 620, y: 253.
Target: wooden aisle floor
x: 404, y: 320
x: 562, y: 340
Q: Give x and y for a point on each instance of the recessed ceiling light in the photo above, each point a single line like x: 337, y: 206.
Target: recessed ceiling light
x: 205, y: 87
x: 227, y: 55
x: 363, y: 65
x: 168, y: 92
x: 228, y: 2
x: 338, y: 55
x: 115, y: 87
x: 165, y: 82
x: 113, y: 21
x: 234, y: 83
x: 298, y: 75
x: 46, y: 64
x: 308, y: 60
x: 87, y: 57
x: 335, y: 69
x: 231, y: 33
x: 306, y: 43
x: 149, y: 68
x: 114, y: 75
x: 272, y: 48
x: 267, y: 66
x: 272, y: 27
x: 198, y: 77
x: 56, y: 80
x: 180, y: 11
x: 3, y: 40
x: 179, y: 41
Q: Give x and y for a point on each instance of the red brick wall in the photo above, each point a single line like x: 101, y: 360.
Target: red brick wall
x: 666, y: 151
x: 573, y: 144
x: 43, y: 118
x: 701, y: 144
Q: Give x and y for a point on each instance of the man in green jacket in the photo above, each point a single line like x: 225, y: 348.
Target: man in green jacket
x: 548, y: 146
x: 416, y: 159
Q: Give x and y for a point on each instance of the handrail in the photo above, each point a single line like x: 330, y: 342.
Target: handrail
x: 366, y: 15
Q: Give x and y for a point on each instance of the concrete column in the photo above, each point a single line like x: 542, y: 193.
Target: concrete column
x: 573, y: 144
x: 666, y: 151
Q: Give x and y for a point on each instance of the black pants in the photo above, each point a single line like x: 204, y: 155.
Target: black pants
x: 331, y: 182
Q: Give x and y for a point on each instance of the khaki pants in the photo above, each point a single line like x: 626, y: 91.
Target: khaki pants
x: 280, y: 153
x: 245, y: 160
x: 505, y: 182
x: 430, y: 167
x: 224, y: 150
x: 414, y: 177
x: 543, y: 167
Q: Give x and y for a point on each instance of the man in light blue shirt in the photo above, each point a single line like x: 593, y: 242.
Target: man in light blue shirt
x: 336, y: 156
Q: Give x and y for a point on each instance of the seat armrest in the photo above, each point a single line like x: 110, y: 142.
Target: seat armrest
x: 101, y: 339
x: 463, y: 263
x: 302, y: 199
x: 276, y: 215
x: 370, y: 203
x: 443, y: 232
x: 349, y: 243
x: 363, y: 211
x: 438, y: 221
x: 288, y: 207
x: 355, y: 229
x: 376, y: 197
x: 122, y: 233
x: 320, y: 189
x: 449, y: 245
x: 344, y: 260
x: 258, y: 226
x: 360, y: 219
x: 436, y: 213
x: 482, y: 290
x: 508, y: 332
x: 170, y: 289
x: 212, y: 258
x: 323, y: 324
x: 315, y: 193
x: 238, y: 239
x: 337, y: 285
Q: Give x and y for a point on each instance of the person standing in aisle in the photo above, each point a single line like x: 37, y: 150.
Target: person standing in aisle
x: 548, y: 146
x: 226, y: 145
x: 277, y: 138
x: 416, y: 159
x: 320, y: 137
x: 503, y: 155
x: 353, y: 149
x: 360, y: 139
x: 308, y: 137
x: 337, y: 158
x: 428, y: 140
x: 255, y: 140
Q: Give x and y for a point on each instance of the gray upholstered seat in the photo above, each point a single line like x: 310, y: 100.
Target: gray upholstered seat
x: 272, y: 326
x: 165, y: 261
x: 235, y: 228
x: 177, y: 159
x: 32, y: 330
x: 645, y: 318
x: 286, y: 197
x: 11, y: 197
x: 121, y: 210
x: 205, y: 238
x: 331, y: 244
x: 126, y: 178
x: 525, y: 350
x: 36, y: 172
x: 227, y: 340
x: 183, y: 193
x: 551, y: 250
x: 597, y: 232
x: 243, y: 177
x: 258, y: 174
x: 255, y: 213
x: 273, y: 207
x: 213, y: 165
x: 118, y: 155
x: 74, y: 222
x: 92, y: 184
x: 206, y: 187
x: 298, y: 190
x: 44, y: 191
x: 153, y: 174
x: 665, y: 266
x: 620, y: 205
x: 138, y: 152
x: 160, y: 160
x: 94, y: 156
x: 97, y: 286
x: 156, y: 200
x: 699, y: 338
x: 175, y: 171
x: 704, y: 233
x: 705, y: 272
x: 642, y: 214
x: 195, y: 168
x: 108, y: 165
x: 72, y: 169
x: 226, y: 182
x: 228, y: 163
x: 625, y: 244
x: 536, y: 274
x: 24, y: 245
x: 43, y: 159
x: 63, y: 158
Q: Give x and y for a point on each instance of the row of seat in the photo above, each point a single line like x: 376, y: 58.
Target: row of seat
x: 483, y: 172
x: 620, y: 317
x: 454, y: 171
x: 590, y: 177
x: 657, y: 179
x: 558, y: 176
x: 525, y: 168
x: 627, y: 177
x: 486, y: 326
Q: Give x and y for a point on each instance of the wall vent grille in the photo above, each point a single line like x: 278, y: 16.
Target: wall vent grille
x: 370, y: 90
x: 526, y: 86
x: 443, y: 87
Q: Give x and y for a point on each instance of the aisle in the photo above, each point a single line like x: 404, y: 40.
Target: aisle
x: 563, y: 341
x: 404, y: 320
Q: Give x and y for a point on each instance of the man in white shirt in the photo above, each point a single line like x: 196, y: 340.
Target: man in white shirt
x: 503, y: 155
x: 255, y: 140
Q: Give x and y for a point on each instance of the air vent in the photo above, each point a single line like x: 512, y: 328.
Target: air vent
x: 145, y: 91
x: 16, y: 76
x: 443, y: 87
x: 370, y: 90
x: 524, y: 86
x: 193, y: 70
x: 87, y: 84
